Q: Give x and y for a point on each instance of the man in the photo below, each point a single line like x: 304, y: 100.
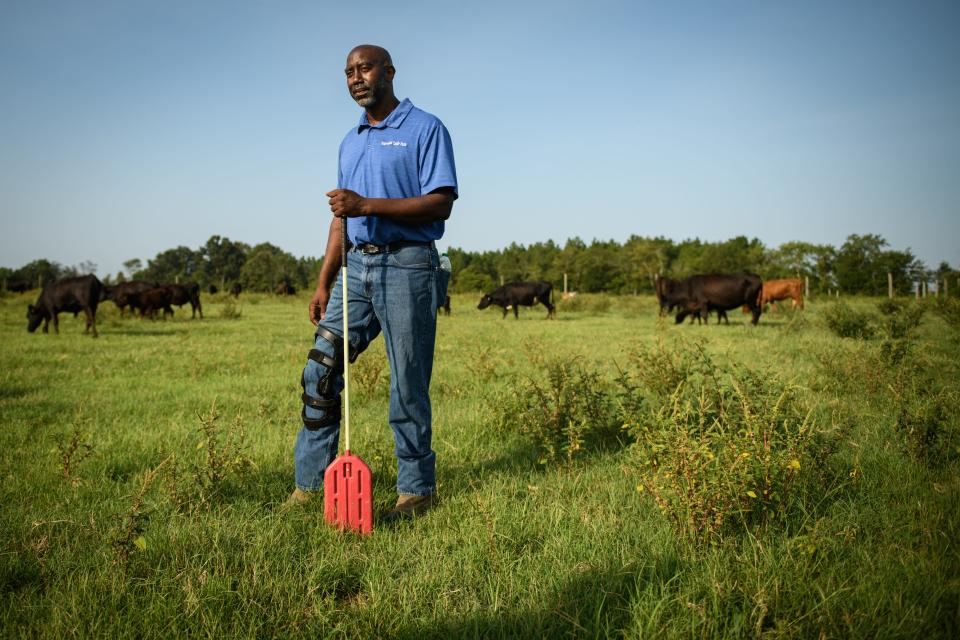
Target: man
x: 396, y: 186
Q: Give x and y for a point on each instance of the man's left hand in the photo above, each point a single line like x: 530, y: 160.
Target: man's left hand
x: 347, y: 204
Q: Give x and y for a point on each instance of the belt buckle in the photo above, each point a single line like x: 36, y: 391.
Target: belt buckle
x: 369, y: 249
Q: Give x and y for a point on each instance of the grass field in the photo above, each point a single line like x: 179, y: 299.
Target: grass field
x: 605, y: 474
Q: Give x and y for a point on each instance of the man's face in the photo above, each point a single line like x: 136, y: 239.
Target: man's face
x: 369, y: 78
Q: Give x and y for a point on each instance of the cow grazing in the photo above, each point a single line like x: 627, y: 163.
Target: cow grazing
x: 69, y: 294
x: 701, y: 294
x: 515, y: 294
x: 235, y: 290
x: 181, y: 294
x: 444, y: 306
x: 212, y: 289
x: 126, y: 294
x: 285, y: 289
x: 153, y: 300
x: 791, y: 288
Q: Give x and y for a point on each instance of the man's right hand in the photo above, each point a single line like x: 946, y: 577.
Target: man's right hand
x: 318, y: 305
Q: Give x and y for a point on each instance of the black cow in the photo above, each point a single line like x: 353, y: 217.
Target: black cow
x: 126, y: 294
x: 235, y: 290
x: 181, y: 294
x: 444, y: 306
x: 285, y: 289
x: 515, y: 294
x: 19, y: 286
x: 153, y: 300
x: 701, y: 294
x: 69, y: 294
x: 212, y: 289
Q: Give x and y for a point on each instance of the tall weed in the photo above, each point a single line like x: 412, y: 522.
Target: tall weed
x: 219, y: 458
x: 566, y: 414
x: 725, y: 449
x: 847, y: 322
x: 927, y: 419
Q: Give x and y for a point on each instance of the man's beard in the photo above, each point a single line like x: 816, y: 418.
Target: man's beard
x: 373, y: 95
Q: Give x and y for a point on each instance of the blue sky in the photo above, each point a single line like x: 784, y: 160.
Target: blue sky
x: 134, y: 126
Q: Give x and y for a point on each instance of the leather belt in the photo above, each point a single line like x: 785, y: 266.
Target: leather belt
x: 369, y: 249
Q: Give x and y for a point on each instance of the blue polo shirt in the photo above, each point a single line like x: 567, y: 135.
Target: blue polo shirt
x: 407, y: 155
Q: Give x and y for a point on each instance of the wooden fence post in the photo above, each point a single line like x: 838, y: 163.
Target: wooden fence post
x: 889, y: 285
x: 916, y: 292
x: 806, y: 286
x: 501, y: 279
x: 564, y: 283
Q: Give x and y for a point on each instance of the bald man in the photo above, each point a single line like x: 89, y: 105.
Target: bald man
x: 396, y: 186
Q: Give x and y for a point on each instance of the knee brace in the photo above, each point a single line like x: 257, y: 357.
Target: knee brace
x: 324, y: 369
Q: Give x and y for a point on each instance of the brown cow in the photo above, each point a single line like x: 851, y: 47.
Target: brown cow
x: 791, y: 288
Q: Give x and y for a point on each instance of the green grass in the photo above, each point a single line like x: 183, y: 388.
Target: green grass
x: 519, y: 546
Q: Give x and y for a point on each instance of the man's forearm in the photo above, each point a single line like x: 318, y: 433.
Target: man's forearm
x: 431, y: 207
x: 419, y: 210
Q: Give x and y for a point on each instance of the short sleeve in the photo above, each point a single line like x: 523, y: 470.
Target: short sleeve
x: 437, y: 168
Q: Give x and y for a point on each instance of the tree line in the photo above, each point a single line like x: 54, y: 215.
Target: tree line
x: 859, y: 266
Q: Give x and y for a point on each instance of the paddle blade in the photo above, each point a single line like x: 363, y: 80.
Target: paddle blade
x: 348, y: 494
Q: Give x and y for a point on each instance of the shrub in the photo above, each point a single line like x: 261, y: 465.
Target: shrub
x: 926, y: 418
x: 847, y: 322
x: 370, y: 372
x: 565, y: 415
x: 898, y: 319
x: 948, y: 309
x: 230, y: 310
x: 726, y: 448
x: 219, y: 459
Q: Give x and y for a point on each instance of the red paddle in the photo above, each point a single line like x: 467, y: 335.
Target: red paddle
x: 347, y: 482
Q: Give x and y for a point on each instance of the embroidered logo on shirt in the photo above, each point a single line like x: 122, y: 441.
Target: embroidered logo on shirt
x: 393, y: 143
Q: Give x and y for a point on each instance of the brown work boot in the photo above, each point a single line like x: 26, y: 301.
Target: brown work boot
x: 298, y: 498
x: 409, y: 506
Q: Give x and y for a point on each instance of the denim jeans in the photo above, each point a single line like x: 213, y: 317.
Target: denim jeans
x: 396, y: 293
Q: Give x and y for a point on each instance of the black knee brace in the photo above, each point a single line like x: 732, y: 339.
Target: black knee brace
x: 328, y: 402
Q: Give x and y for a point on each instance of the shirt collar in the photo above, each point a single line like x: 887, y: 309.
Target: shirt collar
x: 394, y: 120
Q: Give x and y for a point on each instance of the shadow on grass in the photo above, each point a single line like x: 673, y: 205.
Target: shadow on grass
x: 594, y: 602
x: 15, y: 392
x: 150, y: 331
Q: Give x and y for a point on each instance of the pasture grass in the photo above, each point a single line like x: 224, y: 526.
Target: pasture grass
x: 143, y: 472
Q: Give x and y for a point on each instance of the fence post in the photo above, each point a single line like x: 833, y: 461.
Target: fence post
x: 806, y: 286
x: 916, y: 292
x: 889, y: 285
x: 501, y: 279
x: 564, y: 283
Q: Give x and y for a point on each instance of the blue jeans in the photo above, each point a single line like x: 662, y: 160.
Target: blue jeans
x: 396, y: 293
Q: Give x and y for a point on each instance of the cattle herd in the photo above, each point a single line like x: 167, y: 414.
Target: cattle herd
x: 693, y: 297
x: 85, y: 293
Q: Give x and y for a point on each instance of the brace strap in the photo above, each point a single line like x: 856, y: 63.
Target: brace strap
x: 337, y: 342
x: 316, y: 423
x: 321, y: 358
x: 320, y: 403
